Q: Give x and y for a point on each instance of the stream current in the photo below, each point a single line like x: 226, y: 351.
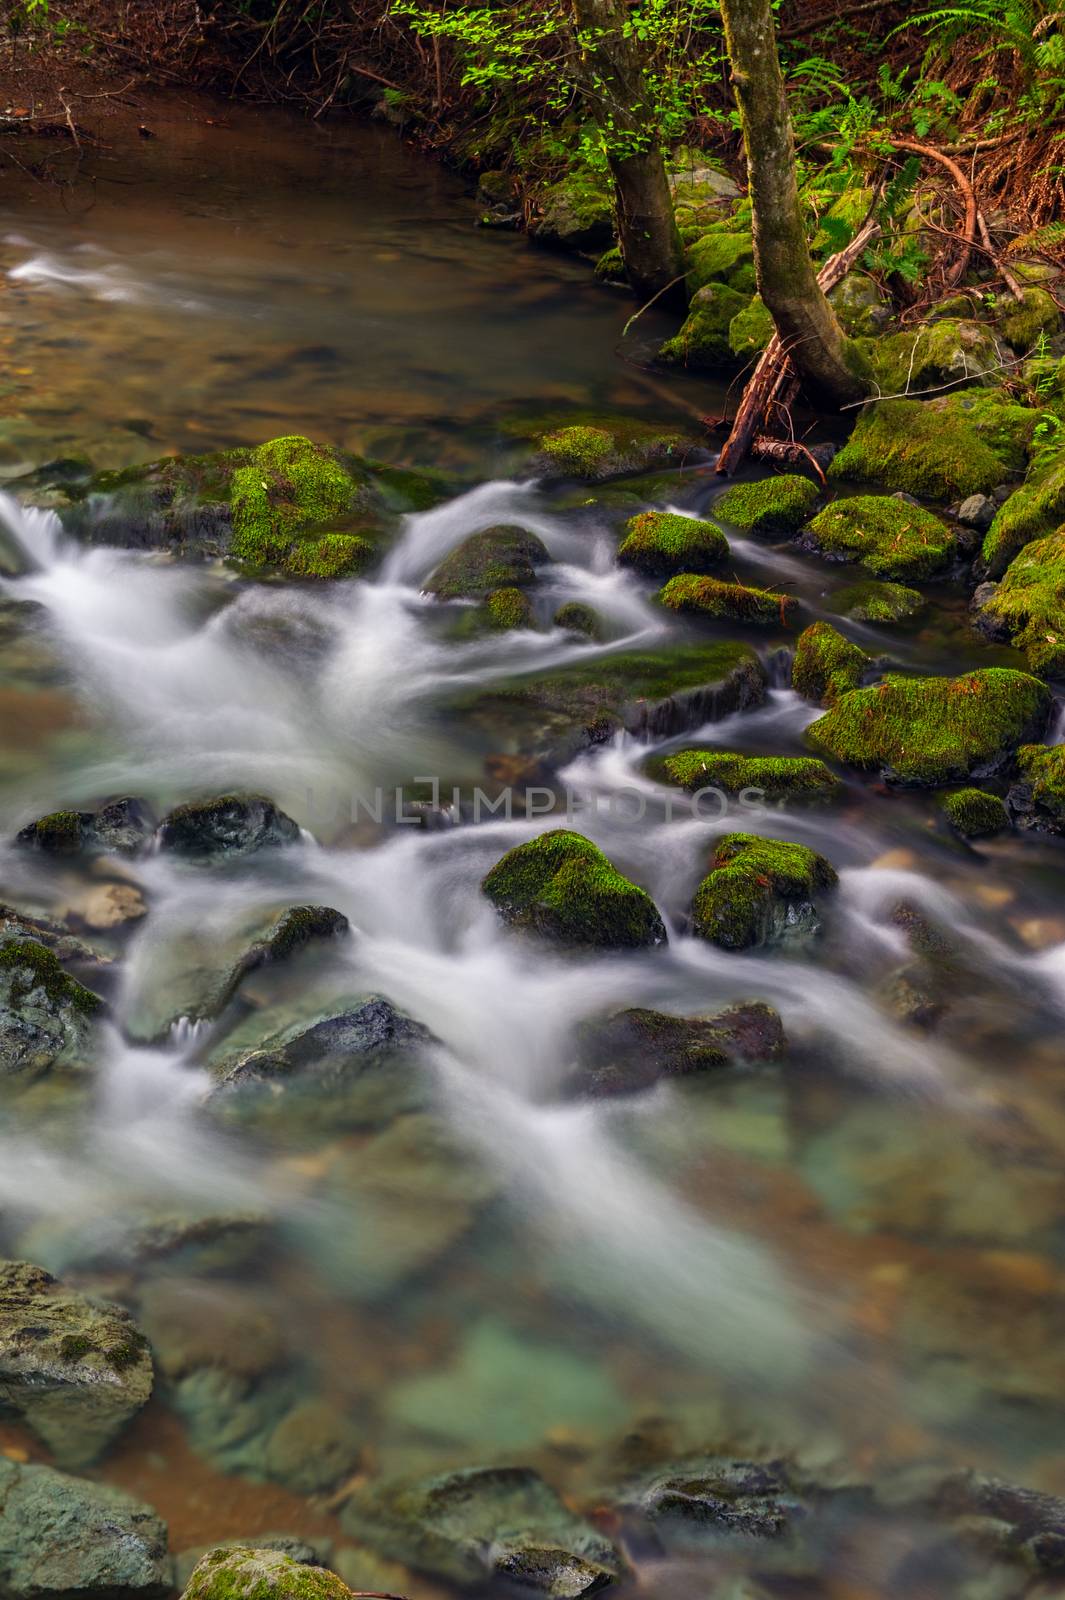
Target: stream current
x: 853, y: 1257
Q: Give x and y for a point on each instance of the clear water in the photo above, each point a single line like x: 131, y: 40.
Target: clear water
x: 855, y: 1258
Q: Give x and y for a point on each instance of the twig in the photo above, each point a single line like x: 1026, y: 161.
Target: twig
x: 957, y: 272
x: 812, y: 24
x: 664, y: 290
x: 936, y: 388
x: 1012, y: 284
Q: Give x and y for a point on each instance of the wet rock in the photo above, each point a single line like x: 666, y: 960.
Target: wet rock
x: 63, y: 1537
x: 1037, y: 799
x: 45, y: 1015
x: 486, y: 1522
x: 635, y: 1049
x: 1035, y: 1521
x: 235, y: 1572
x: 759, y: 890
x: 562, y: 887
x: 123, y: 827
x: 348, y: 1043
x: 1028, y: 605
x: 709, y: 1498
x: 503, y: 557
x: 578, y: 618
x: 313, y: 1448
x: 55, y: 935
x: 877, y: 602
x: 661, y: 543
x: 227, y: 827
x: 738, y: 602
x: 975, y: 814
x: 935, y: 731
x: 771, y: 506
x: 977, y: 511
x: 575, y: 214
x: 97, y: 1241
x: 604, y: 447
x: 75, y: 1370
x: 108, y: 905
x: 903, y: 444
x: 287, y: 1544
x: 826, y: 665
x: 1035, y: 511
x: 757, y: 779
x: 888, y: 536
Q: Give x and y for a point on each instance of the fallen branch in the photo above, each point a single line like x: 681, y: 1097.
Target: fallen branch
x: 957, y: 271
x: 1015, y: 288
x: 788, y: 451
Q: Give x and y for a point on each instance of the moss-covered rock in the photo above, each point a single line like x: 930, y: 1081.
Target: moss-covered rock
x: 292, y: 491
x: 860, y: 306
x: 877, y: 602
x: 974, y: 813
x: 701, y: 194
x: 758, y: 890
x: 575, y: 214
x: 750, y: 330
x: 889, y: 537
x: 662, y: 543
x: 1008, y: 429
x: 711, y: 597
x: 579, y: 618
x: 562, y: 887
x: 610, y: 268
x: 505, y: 557
x: 722, y: 258
x: 950, y: 351
x: 228, y: 826
x: 124, y: 826
x: 904, y: 445
x: 633, y: 1050
x: 703, y: 343
x: 1037, y: 798
x: 826, y: 664
x: 768, y: 777
x: 594, y: 448
x: 239, y: 1572
x: 1035, y: 509
x: 1028, y: 606
x: 1021, y: 325
x: 74, y: 1370
x: 935, y: 731
x: 45, y: 1014
x: 771, y: 506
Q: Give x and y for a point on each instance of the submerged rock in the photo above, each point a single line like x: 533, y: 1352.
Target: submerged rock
x: 562, y: 887
x: 758, y: 891
x: 707, y: 1498
x: 313, y: 1448
x: 605, y: 447
x: 75, y: 1370
x: 771, y: 506
x: 45, y: 1014
x: 907, y: 446
x: 767, y: 778
x: 739, y: 602
x: 1035, y: 510
x: 890, y: 537
x: 634, y: 1050
x: 1037, y: 799
x: 505, y: 557
x: 935, y: 731
x: 230, y: 826
x: 1035, y: 1520
x: 578, y: 618
x: 345, y: 1043
x: 123, y: 826
x: 1028, y: 605
x: 236, y: 1572
x: 661, y: 543
x: 877, y: 602
x: 974, y: 813
x: 62, y: 1537
x: 826, y: 664
x: 486, y: 1522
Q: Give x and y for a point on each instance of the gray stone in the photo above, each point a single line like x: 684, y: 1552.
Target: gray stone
x: 978, y: 511
x: 226, y: 827
x: 45, y: 1014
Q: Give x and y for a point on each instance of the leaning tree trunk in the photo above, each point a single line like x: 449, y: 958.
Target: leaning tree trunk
x: 619, y: 100
x: 787, y: 282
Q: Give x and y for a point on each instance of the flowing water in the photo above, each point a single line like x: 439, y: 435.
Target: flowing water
x: 854, y: 1257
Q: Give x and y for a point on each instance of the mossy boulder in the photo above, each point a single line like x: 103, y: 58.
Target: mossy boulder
x: 861, y: 307
x: 505, y: 557
x: 722, y: 258
x: 935, y: 731
x: 1034, y: 510
x: 769, y: 778
x: 575, y: 214
x: 240, y: 1572
x: 286, y: 505
x: 701, y: 194
x: 827, y: 665
x: 500, y: 1525
x: 877, y: 602
x: 124, y: 826
x: 759, y: 890
x: 576, y: 617
x: 703, y: 343
x: 750, y: 330
x: 771, y: 506
x: 562, y: 887
x: 62, y: 1537
x: 1037, y: 798
x: 738, y: 602
x: 662, y: 543
x: 594, y: 448
x: 633, y: 1050
x: 1008, y: 429
x: 226, y: 827
x: 889, y: 537
x: 699, y: 1502
x: 499, y: 612
x: 1028, y: 605
x: 610, y: 268
x: 905, y: 445
x: 949, y: 352
x: 74, y: 1370
x: 45, y: 1015
x: 974, y: 813
x: 1022, y: 325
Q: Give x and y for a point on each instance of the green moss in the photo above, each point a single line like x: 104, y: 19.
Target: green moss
x: 877, y: 602
x: 335, y: 555
x: 410, y: 488
x: 291, y: 488
x: 563, y: 887
x: 771, y: 506
x: 1042, y: 769
x: 236, y: 1572
x: 505, y: 557
x: 935, y: 731
x: 710, y: 597
x: 660, y: 543
x: 750, y: 329
x: 890, y: 537
x: 610, y: 268
x: 60, y: 833
x: 575, y: 212
x: 703, y: 342
x: 775, y: 777
x: 506, y: 609
x: 578, y: 452
x: 904, y: 445
x: 1036, y: 509
x: 590, y: 446
x: 34, y: 967
x: 934, y: 355
x: 72, y: 1346
x: 1030, y: 603
x: 722, y: 258
x: 851, y: 207
x: 1006, y: 428
x: 1022, y: 325
x: 826, y: 664
x: 751, y: 885
x: 578, y: 618
x: 974, y: 813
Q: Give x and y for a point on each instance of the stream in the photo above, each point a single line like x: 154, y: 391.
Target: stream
x: 854, y: 1257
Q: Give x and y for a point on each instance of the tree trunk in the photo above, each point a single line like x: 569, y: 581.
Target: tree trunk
x: 804, y: 320
x: 620, y: 103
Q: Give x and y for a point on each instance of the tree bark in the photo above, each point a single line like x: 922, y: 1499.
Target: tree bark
x: 621, y: 105
x: 804, y: 320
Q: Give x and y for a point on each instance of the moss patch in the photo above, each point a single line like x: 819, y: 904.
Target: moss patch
x: 710, y: 597
x: 902, y: 444
x: 578, y: 618
x: 974, y: 813
x: 336, y: 555
x: 1037, y: 508
x: 750, y: 330
x: 772, y: 506
x: 1030, y: 603
x: 703, y: 343
x: 291, y: 489
x: 1022, y: 325
x: 236, y: 1572
x: 1039, y: 798
x: 935, y: 731
x: 774, y: 777
x: 950, y: 351
x: 722, y: 258
x: 564, y: 888
x: 889, y: 537
x: 33, y: 967
x: 755, y: 886
x: 877, y: 602
x: 60, y: 833
x: 660, y: 543
x: 826, y: 664
x: 591, y: 447
x: 1006, y: 428
x: 505, y: 557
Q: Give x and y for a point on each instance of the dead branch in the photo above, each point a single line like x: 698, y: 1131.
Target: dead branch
x: 957, y: 271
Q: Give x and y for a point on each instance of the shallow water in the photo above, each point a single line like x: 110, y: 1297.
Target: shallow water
x: 854, y: 1257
